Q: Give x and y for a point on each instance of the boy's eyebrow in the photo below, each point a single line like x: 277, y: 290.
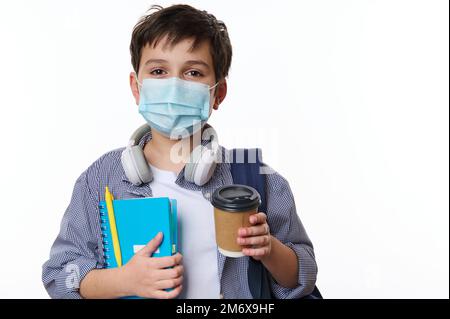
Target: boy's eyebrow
x: 192, y: 62
x: 155, y: 61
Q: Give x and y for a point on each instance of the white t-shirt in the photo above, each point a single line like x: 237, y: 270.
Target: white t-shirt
x: 196, y: 236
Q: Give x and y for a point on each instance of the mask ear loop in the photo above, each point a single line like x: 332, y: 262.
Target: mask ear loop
x: 212, y: 87
x: 139, y: 83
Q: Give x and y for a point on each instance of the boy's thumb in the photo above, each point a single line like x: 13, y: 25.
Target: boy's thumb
x: 151, y: 246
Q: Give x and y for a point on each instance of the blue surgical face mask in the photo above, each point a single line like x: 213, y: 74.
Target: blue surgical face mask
x: 174, y: 107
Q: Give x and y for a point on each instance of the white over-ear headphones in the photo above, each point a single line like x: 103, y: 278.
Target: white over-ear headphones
x: 202, y: 162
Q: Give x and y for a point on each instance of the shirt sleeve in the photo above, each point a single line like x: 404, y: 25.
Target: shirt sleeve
x: 75, y: 250
x: 286, y: 226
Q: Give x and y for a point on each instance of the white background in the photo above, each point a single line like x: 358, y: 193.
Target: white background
x: 348, y: 99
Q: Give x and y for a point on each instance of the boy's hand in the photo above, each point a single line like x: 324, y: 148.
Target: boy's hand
x: 145, y: 276
x: 256, y: 239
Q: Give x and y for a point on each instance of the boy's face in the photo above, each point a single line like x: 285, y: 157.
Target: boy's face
x: 164, y: 61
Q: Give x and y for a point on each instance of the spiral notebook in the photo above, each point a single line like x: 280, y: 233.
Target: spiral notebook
x: 138, y: 220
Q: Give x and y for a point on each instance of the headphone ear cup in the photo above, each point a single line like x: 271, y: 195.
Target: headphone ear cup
x: 189, y: 169
x: 128, y: 167
x: 135, y: 165
x: 142, y: 167
x: 201, y: 166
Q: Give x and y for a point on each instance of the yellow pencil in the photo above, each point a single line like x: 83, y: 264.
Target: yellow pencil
x: 112, y: 223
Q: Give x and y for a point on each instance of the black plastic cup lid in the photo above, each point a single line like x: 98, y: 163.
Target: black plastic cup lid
x: 236, y: 198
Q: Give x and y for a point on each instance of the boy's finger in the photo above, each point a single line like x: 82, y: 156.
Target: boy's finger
x: 164, y: 262
x: 258, y: 218
x: 255, y: 251
x: 151, y: 246
x: 169, y: 283
x: 258, y: 230
x: 256, y: 240
x: 170, y: 273
x: 161, y: 294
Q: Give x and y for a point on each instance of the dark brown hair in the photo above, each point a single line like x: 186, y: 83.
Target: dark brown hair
x: 180, y: 22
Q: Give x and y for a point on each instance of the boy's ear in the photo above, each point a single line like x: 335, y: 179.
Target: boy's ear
x: 134, y: 87
x: 220, y: 94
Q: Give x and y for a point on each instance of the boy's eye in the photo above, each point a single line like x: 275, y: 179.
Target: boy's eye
x: 157, y: 72
x: 194, y: 73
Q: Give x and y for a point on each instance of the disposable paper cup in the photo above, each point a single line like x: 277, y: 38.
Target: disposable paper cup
x: 233, y: 206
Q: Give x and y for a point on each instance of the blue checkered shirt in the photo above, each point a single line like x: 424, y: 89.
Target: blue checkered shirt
x: 78, y: 247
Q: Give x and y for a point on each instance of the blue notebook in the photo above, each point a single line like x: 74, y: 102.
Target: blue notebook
x: 138, y: 220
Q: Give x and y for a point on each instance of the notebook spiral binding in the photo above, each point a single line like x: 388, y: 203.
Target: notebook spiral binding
x: 104, y: 228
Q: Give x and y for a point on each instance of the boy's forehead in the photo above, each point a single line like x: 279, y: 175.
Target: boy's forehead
x: 182, y: 50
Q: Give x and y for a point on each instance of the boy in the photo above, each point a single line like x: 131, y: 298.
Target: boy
x: 173, y: 50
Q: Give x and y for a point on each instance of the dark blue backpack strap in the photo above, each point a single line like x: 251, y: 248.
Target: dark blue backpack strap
x: 245, y: 169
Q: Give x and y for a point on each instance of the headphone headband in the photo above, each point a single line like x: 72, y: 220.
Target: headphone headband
x: 138, y: 135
